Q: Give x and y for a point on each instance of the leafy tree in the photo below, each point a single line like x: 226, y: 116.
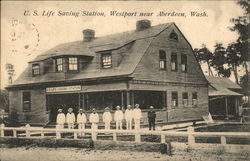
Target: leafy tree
x: 219, y: 61
x: 203, y: 55
x: 4, y: 100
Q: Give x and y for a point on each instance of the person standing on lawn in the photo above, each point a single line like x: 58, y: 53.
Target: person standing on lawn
x: 151, y: 118
x: 129, y: 117
x: 107, y: 118
x: 70, y: 118
x: 94, y: 119
x: 137, y: 116
x: 60, y: 119
x: 118, y: 117
x: 81, y: 120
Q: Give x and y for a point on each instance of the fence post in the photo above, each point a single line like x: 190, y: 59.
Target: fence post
x: 14, y: 133
x: 2, y: 130
x: 137, y: 137
x: 191, y: 138
x: 42, y: 133
x: 58, y: 133
x: 223, y: 140
x: 93, y: 135
x: 163, y: 138
x: 27, y: 130
x: 114, y: 136
x: 75, y: 135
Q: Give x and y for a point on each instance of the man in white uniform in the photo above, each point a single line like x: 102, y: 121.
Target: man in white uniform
x: 129, y: 117
x: 60, y: 119
x: 70, y: 118
x: 118, y: 117
x: 81, y: 120
x: 94, y: 119
x: 107, y: 118
x: 137, y: 116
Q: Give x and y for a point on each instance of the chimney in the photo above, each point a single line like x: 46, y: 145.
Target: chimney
x: 88, y: 35
x: 143, y: 24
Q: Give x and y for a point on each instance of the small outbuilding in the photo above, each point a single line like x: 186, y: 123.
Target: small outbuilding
x: 224, y: 97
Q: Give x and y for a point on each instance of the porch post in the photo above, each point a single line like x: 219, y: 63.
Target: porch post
x: 79, y: 101
x: 236, y: 106
x: 226, y: 107
x: 128, y: 97
x: 122, y: 99
x: 133, y: 98
x: 83, y: 101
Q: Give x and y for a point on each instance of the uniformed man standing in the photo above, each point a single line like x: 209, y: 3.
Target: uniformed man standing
x: 70, y: 118
x: 60, y: 119
x: 107, y: 118
x: 137, y: 116
x: 94, y: 119
x: 81, y: 120
x: 118, y: 117
x: 151, y: 118
x: 129, y: 117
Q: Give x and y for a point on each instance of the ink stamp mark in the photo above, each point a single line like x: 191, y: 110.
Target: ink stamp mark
x: 24, y: 37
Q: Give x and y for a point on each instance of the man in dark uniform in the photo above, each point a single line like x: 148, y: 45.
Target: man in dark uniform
x: 151, y: 118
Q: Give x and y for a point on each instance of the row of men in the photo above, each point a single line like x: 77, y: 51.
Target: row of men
x: 129, y: 115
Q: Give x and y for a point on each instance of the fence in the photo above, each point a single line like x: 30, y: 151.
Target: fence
x: 137, y: 133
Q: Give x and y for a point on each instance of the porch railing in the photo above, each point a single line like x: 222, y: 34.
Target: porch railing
x: 190, y: 134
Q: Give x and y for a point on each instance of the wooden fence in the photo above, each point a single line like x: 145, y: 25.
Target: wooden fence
x: 190, y: 134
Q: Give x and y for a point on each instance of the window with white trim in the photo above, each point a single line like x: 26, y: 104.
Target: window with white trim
x: 174, y: 99
x: 26, y: 101
x: 194, y: 98
x: 184, y: 63
x: 106, y: 60
x: 185, y: 98
x: 174, y: 62
x: 73, y: 64
x: 35, y: 69
x: 59, y: 64
x: 162, y: 59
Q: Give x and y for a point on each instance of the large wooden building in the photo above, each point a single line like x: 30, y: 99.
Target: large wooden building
x: 151, y: 65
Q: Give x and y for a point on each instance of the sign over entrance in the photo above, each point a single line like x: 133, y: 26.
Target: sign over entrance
x: 63, y: 89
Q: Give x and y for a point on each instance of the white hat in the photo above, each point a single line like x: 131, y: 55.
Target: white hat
x: 70, y: 109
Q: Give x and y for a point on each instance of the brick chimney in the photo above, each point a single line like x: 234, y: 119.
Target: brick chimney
x: 88, y: 35
x: 143, y: 24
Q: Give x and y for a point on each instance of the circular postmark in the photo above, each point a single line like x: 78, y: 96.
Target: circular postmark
x: 24, y: 37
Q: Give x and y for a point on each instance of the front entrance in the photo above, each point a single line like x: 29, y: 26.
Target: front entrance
x: 63, y: 101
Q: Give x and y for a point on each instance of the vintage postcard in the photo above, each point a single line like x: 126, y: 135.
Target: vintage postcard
x: 125, y: 80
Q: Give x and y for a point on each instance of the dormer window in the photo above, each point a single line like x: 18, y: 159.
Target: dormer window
x: 35, y: 69
x: 73, y: 64
x: 59, y: 64
x: 106, y: 60
x: 173, y: 36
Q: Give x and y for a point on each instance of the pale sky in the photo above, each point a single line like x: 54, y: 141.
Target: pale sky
x: 60, y: 29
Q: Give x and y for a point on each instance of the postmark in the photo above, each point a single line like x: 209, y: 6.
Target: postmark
x: 24, y: 37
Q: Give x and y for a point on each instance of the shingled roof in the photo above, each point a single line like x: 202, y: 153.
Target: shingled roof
x: 222, y: 86
x: 139, y: 40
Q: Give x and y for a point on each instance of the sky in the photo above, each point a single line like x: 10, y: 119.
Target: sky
x: 25, y: 37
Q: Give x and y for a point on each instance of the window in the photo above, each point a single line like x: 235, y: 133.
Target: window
x: 106, y: 60
x: 184, y: 63
x: 163, y: 59
x: 35, y: 69
x: 185, y: 98
x: 59, y: 64
x: 26, y: 101
x: 174, y: 99
x: 73, y: 64
x: 174, y: 62
x: 194, y: 98
x: 173, y: 36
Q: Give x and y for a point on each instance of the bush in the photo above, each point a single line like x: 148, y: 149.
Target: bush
x: 12, y: 119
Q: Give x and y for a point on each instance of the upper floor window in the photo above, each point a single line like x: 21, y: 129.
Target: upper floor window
x: 106, y: 60
x: 185, y: 98
x: 73, y: 63
x: 26, y: 101
x: 174, y: 62
x: 35, y: 69
x: 194, y: 98
x: 59, y: 64
x: 184, y: 63
x: 173, y: 36
x: 162, y: 59
x: 174, y: 99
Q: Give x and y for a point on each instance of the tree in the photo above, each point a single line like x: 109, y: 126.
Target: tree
x: 219, y: 61
x: 241, y: 26
x: 233, y: 59
x: 203, y: 55
x: 4, y: 100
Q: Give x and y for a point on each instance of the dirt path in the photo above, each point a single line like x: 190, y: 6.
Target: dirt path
x: 75, y: 154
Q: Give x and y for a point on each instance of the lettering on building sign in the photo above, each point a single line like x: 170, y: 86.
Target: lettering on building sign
x: 63, y: 89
